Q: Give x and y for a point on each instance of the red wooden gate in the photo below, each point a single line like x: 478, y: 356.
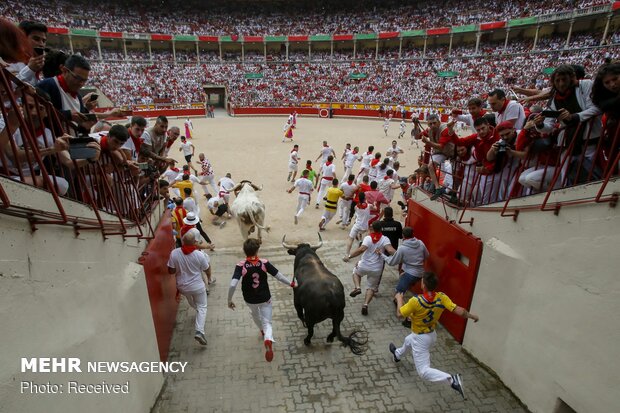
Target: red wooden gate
x: 454, y: 256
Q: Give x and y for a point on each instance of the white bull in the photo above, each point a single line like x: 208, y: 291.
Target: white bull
x: 249, y: 211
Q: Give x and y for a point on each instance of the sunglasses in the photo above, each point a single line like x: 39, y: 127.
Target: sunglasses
x: 77, y: 77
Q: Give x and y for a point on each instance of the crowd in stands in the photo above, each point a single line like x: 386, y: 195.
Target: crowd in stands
x: 194, y: 17
x: 290, y: 84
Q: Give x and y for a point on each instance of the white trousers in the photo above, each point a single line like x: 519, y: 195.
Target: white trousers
x: 261, y: 314
x: 328, y: 214
x: 302, y: 203
x: 345, y: 210
x: 198, y: 301
x: 538, y: 179
x: 420, y: 345
x: 347, y: 172
x: 208, y: 179
x: 325, y: 184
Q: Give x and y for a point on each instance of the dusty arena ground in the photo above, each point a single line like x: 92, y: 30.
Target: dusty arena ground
x: 230, y: 374
x: 251, y: 148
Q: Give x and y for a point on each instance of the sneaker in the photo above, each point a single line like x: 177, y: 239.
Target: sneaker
x: 222, y: 224
x: 393, y: 351
x: 457, y: 384
x: 296, y: 220
x: 364, y: 310
x: 269, y: 352
x: 355, y: 292
x: 200, y: 338
x: 316, y: 206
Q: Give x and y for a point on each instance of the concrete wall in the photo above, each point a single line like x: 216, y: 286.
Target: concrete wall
x: 67, y: 296
x: 548, y: 296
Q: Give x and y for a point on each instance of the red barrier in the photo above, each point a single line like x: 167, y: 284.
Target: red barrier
x: 455, y: 257
x: 275, y: 111
x: 161, y: 286
x: 169, y: 112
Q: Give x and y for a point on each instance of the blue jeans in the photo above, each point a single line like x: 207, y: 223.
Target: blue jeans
x: 405, y: 281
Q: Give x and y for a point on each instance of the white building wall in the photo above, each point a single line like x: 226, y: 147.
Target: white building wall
x: 68, y: 296
x: 548, y: 297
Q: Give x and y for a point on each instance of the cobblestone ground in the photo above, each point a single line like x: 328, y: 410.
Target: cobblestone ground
x: 230, y: 374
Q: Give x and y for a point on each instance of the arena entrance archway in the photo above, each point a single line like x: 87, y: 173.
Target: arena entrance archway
x: 216, y: 95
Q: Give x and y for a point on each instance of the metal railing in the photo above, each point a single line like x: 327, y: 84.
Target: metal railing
x: 560, y: 164
x: 32, y: 153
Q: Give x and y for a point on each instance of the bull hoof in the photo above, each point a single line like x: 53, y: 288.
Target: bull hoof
x: 307, y: 341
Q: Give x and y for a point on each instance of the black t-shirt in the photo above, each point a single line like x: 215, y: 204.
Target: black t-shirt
x: 393, y: 230
x: 253, y: 275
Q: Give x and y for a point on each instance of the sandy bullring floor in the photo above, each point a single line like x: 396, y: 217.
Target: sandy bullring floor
x: 251, y: 148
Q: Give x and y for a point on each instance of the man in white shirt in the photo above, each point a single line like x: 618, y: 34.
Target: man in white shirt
x: 328, y: 173
x: 506, y: 110
x: 293, y: 160
x: 305, y: 188
x: 402, y: 129
x: 190, y: 265
x: 325, y: 152
x: 226, y: 184
x: 348, y: 188
x: 365, y: 164
x: 349, y: 160
x: 371, y: 264
x: 217, y: 207
x: 188, y: 151
x: 395, y: 150
x: 387, y: 185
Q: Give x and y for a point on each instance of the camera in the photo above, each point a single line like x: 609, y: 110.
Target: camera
x: 501, y: 146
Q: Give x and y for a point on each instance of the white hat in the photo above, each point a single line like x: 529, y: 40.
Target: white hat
x: 191, y: 219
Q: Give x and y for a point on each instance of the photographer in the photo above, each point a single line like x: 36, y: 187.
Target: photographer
x: 571, y: 105
x: 502, y: 156
x: 37, y: 37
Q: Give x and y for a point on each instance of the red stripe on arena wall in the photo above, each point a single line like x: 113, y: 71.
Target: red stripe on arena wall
x: 388, y: 35
x: 111, y: 35
x: 343, y: 37
x: 161, y: 37
x: 254, y: 39
x: 438, y: 30
x: 213, y: 39
x: 57, y: 30
x: 492, y: 25
x: 298, y: 38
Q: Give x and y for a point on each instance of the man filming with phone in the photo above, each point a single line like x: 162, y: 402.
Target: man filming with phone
x: 37, y: 36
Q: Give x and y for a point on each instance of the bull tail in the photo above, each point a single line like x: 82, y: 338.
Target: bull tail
x: 357, y: 341
x: 267, y: 228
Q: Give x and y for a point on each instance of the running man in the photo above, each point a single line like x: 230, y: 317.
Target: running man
x: 349, y: 188
x: 305, y: 187
x: 365, y: 164
x: 349, y: 160
x: 386, y: 125
x: 253, y: 275
x: 328, y: 173
x: 424, y: 310
x: 188, y: 151
x: 326, y: 151
x: 292, y: 164
x: 331, y: 204
x: 207, y: 176
x: 226, y: 184
x: 403, y: 127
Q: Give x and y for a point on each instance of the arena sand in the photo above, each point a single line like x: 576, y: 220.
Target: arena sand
x: 252, y: 148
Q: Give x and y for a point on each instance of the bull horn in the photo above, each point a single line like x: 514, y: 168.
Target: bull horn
x: 316, y: 247
x: 287, y: 246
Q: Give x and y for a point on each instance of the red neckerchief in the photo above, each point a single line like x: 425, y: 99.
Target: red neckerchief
x: 369, y: 153
x: 375, y: 237
x: 63, y: 85
x: 560, y: 96
x: 349, y: 182
x: 429, y: 296
x: 480, y: 114
x: 308, y: 167
x: 174, y: 169
x: 327, y: 163
x: 103, y: 142
x: 137, y: 142
x: 362, y: 206
x: 170, y: 142
x: 253, y: 259
x: 188, y: 249
x: 374, y: 162
x: 325, y: 146
x: 293, y: 150
x: 354, y: 152
x: 385, y: 178
x: 504, y: 106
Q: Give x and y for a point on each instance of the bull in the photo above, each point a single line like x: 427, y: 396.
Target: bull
x: 319, y: 295
x: 249, y: 211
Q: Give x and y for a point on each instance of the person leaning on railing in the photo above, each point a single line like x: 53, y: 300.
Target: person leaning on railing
x: 606, y: 96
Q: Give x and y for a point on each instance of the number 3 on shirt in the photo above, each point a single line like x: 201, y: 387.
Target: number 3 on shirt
x: 255, y: 280
x: 429, y: 317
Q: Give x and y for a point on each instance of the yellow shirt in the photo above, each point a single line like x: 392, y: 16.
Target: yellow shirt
x: 182, y: 185
x: 331, y: 198
x: 425, y: 315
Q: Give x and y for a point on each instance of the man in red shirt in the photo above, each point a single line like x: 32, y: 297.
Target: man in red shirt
x: 375, y: 198
x: 438, y: 140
